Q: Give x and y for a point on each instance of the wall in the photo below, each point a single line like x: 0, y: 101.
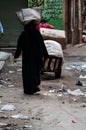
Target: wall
x: 51, y: 11
x: 11, y: 24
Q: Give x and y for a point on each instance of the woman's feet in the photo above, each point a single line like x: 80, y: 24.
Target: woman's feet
x: 33, y: 91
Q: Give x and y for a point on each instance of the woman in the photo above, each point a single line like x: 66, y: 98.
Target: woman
x: 31, y: 44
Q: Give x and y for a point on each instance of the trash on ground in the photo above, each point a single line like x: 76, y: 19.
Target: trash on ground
x: 7, y: 107
x: 82, y: 76
x: 57, y: 90
x: 75, y: 100
x: 20, y: 116
x: 73, y: 121
x: 2, y: 125
x: 52, y: 91
x: 84, y: 105
x: 2, y: 63
x: 1, y: 85
x: 2, y: 81
x: 4, y: 55
x: 8, y: 79
x: 76, y: 66
x: 10, y: 71
x: 47, y: 94
x: 59, y: 95
x: 27, y: 126
x: 76, y: 92
x: 68, y: 68
x: 10, y: 86
x: 79, y: 83
x: 3, y: 116
x: 79, y: 67
x: 19, y: 70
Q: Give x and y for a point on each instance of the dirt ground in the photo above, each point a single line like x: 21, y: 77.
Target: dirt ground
x: 53, y: 108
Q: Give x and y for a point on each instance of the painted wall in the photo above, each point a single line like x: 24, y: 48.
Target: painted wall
x: 51, y: 11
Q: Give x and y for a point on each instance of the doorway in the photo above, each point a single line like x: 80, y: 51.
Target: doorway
x: 10, y: 22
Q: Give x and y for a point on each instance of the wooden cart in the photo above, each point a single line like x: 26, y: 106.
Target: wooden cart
x: 55, y: 61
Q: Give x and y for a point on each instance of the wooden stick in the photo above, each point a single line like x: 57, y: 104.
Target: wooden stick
x: 80, y: 21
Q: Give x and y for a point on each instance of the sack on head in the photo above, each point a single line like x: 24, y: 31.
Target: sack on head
x: 27, y: 15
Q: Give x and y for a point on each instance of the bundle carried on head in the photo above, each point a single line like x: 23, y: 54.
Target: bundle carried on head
x: 27, y: 15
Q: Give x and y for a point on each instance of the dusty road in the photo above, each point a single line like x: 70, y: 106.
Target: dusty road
x: 49, y: 109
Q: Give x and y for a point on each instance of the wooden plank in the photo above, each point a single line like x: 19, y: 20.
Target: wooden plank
x: 80, y: 20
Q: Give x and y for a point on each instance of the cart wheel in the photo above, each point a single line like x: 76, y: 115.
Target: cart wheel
x: 58, y: 73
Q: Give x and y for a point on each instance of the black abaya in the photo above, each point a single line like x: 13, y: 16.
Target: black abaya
x: 31, y: 44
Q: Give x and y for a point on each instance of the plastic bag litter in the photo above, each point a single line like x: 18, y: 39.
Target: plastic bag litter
x: 76, y: 92
x: 82, y: 76
x: 20, y: 116
x: 8, y: 107
x: 27, y: 126
x: 3, y: 124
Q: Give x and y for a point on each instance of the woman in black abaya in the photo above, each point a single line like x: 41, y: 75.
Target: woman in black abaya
x: 31, y: 44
